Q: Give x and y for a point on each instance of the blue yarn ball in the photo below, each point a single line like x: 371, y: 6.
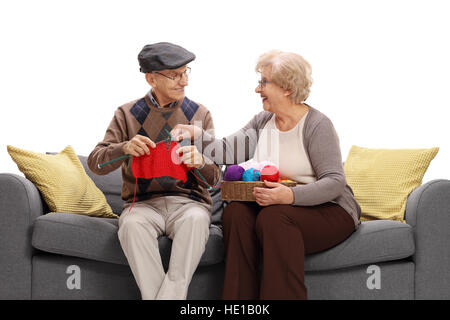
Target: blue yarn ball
x: 251, y: 175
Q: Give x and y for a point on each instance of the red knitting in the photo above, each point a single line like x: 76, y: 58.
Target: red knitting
x: 159, y: 163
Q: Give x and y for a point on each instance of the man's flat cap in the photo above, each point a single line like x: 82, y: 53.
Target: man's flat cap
x: 163, y: 55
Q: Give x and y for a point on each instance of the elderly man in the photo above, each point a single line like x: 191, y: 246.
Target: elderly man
x: 163, y: 205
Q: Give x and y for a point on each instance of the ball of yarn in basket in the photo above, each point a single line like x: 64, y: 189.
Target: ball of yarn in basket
x: 264, y: 163
x: 233, y: 173
x: 250, y: 164
x: 251, y: 175
x: 270, y: 173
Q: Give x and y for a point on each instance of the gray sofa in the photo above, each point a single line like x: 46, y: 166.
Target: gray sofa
x: 42, y: 254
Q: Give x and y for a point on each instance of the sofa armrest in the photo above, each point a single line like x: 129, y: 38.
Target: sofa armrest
x: 428, y: 212
x: 20, y: 205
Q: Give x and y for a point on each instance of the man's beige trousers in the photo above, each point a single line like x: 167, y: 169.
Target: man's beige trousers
x: 183, y: 220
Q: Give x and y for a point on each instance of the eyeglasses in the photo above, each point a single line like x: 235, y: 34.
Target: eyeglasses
x: 262, y: 83
x: 177, y: 77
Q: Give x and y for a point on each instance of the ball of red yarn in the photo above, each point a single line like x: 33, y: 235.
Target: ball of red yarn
x: 270, y: 173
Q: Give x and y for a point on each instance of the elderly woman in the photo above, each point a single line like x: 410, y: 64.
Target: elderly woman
x: 284, y: 223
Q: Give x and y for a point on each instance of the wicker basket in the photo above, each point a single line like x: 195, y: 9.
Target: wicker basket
x: 243, y: 190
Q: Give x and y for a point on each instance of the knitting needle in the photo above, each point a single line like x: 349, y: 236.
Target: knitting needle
x: 168, y: 133
x: 113, y: 160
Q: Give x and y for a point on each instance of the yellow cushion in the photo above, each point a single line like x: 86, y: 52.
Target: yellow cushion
x: 382, y: 179
x: 62, y: 181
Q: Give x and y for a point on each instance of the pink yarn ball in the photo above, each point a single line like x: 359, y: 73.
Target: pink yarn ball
x: 249, y: 164
x: 262, y: 164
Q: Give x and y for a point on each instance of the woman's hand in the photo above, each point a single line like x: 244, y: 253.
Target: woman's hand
x: 276, y: 193
x: 138, y: 146
x: 190, y: 156
x: 184, y: 131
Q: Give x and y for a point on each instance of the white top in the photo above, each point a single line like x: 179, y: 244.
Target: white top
x: 285, y: 149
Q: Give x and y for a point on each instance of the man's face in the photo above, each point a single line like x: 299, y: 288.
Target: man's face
x: 169, y: 84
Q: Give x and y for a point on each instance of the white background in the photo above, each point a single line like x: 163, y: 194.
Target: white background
x: 381, y: 69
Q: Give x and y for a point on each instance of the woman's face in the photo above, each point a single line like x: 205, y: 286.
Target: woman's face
x: 271, y: 94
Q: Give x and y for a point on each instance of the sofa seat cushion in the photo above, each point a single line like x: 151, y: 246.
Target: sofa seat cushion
x: 373, y: 242
x: 96, y: 239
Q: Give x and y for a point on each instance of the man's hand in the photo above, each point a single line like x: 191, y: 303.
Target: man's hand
x: 277, y: 193
x: 138, y: 146
x: 190, y: 156
x: 184, y: 131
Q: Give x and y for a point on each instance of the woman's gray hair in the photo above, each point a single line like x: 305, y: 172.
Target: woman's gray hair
x: 290, y: 71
